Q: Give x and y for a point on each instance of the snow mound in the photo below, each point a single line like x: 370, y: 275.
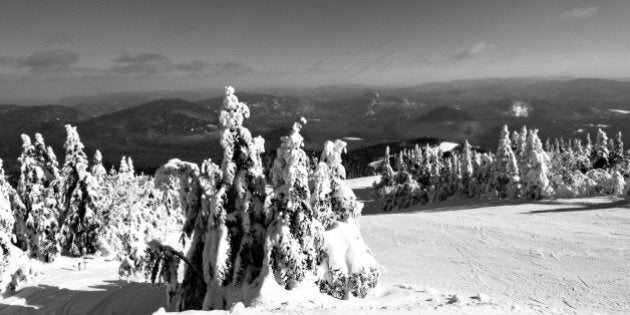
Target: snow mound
x: 349, y: 260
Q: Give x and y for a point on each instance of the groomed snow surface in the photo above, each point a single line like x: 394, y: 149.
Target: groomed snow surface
x: 560, y: 256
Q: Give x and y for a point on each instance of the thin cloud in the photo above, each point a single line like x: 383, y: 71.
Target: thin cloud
x: 204, y: 68
x: 142, y: 58
x: 194, y: 66
x: 186, y: 28
x: 58, y: 39
x: 8, y: 61
x: 579, y: 13
x: 142, y: 68
x: 472, y: 52
x: 49, y: 61
x: 142, y: 63
x: 316, y: 67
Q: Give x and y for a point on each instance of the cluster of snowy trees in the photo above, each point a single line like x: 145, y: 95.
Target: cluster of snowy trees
x: 522, y: 167
x: 78, y: 209
x: 246, y: 232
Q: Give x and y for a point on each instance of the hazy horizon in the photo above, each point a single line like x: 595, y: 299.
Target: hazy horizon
x: 52, y: 50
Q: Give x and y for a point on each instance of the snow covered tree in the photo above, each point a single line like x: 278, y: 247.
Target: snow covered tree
x: 387, y: 173
x: 344, y: 203
x: 355, y: 271
x: 295, y: 232
x: 131, y: 212
x: 47, y: 160
x: 236, y: 246
x: 8, y: 201
x: 466, y: 168
x: 98, y: 171
x: 123, y: 168
x: 536, y: 179
x: 242, y: 238
x: 400, y: 163
x: 588, y: 148
x: 601, y: 153
x: 522, y: 148
x: 197, y: 188
x: 618, y: 183
x: 616, y: 152
x: 81, y: 223
x: 131, y: 168
x: 397, y: 190
x: 126, y: 170
x: 547, y: 147
x: 6, y: 195
x: 37, y: 226
x: 506, y: 173
x: 29, y: 173
x: 426, y: 168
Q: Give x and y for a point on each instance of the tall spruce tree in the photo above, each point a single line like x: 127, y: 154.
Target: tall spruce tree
x: 295, y: 232
x: 81, y: 222
x: 536, y: 179
x: 236, y: 245
x: 37, y: 226
x: 467, y: 168
x: 98, y: 171
x: 506, y: 172
x: 7, y: 202
x: 616, y: 152
x: 601, y: 152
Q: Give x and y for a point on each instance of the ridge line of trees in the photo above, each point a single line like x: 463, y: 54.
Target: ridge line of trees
x: 521, y: 168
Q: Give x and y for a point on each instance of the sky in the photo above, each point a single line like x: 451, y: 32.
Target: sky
x: 51, y: 49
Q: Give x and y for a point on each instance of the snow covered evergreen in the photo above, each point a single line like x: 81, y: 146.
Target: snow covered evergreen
x: 601, y: 151
x: 244, y: 237
x: 295, y: 232
x: 7, y: 203
x: 98, y: 170
x: 536, y: 179
x: 506, y: 173
x: 347, y: 266
x: 521, y: 168
x: 37, y: 222
x: 80, y: 223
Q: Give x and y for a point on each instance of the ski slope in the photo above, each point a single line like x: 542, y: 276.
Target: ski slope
x: 562, y: 256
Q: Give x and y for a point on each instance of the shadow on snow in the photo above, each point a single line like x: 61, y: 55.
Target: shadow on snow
x: 555, y: 205
x: 113, y: 297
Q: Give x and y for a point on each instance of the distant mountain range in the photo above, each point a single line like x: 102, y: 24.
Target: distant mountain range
x: 153, y: 127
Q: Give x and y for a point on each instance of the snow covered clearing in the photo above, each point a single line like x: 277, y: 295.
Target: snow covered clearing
x: 560, y: 256
x: 352, y: 139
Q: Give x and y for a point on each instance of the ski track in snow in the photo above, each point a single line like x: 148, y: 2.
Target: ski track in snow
x: 561, y: 256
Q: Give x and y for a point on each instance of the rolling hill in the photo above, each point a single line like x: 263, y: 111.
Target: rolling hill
x: 152, y: 130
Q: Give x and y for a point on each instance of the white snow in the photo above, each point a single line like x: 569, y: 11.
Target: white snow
x: 482, y: 257
x: 598, y: 125
x: 620, y: 111
x: 520, y: 109
x: 446, y: 146
x: 352, y: 139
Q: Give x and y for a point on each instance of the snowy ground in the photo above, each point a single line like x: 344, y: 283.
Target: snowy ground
x: 561, y: 256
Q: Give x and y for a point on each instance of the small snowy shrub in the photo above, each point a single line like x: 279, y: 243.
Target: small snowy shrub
x: 346, y: 265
